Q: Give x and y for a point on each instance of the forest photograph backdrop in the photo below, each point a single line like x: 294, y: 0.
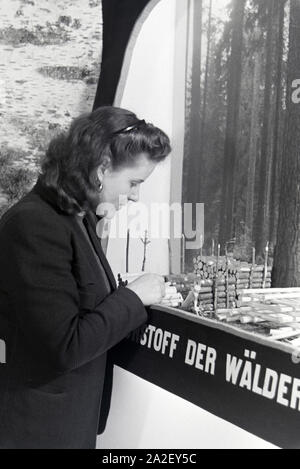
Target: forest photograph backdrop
x: 242, y: 136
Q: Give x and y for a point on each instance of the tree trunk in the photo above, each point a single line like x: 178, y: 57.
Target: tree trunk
x: 204, y: 107
x: 234, y: 94
x: 253, y: 146
x: 287, y: 253
x: 194, y: 163
x: 186, y: 159
x: 192, y: 153
x: 262, y: 218
x: 274, y: 199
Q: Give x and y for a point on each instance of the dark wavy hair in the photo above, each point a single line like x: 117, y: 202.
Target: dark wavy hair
x: 70, y: 164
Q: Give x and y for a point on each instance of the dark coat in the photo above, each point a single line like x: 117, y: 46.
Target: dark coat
x: 58, y: 321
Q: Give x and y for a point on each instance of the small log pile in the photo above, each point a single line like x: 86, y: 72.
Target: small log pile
x: 219, y: 282
x: 222, y: 280
x: 242, y: 274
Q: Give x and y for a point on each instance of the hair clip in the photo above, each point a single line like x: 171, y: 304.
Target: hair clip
x: 130, y: 128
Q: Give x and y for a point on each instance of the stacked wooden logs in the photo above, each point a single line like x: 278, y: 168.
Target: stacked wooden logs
x: 243, y: 274
x: 228, y: 278
x: 221, y: 280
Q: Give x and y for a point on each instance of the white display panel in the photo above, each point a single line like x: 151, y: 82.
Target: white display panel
x: 148, y: 87
x: 144, y: 416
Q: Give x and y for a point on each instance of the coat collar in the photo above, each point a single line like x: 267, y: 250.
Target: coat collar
x: 91, y: 226
x: 50, y: 195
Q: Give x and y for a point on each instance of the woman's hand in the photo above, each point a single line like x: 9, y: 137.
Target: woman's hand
x: 150, y: 288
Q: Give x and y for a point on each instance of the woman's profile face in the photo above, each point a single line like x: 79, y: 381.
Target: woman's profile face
x: 123, y: 185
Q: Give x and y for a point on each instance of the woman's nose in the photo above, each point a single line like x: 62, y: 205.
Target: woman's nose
x: 134, y: 195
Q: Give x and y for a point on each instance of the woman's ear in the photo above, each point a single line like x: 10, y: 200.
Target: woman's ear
x: 105, y: 163
x: 104, y: 166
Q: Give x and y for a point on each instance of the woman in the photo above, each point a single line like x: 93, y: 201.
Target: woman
x: 60, y: 309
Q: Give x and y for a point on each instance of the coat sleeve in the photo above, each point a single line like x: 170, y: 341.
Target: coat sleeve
x: 35, y: 266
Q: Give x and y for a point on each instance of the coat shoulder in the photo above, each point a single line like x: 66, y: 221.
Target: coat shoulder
x: 30, y: 211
